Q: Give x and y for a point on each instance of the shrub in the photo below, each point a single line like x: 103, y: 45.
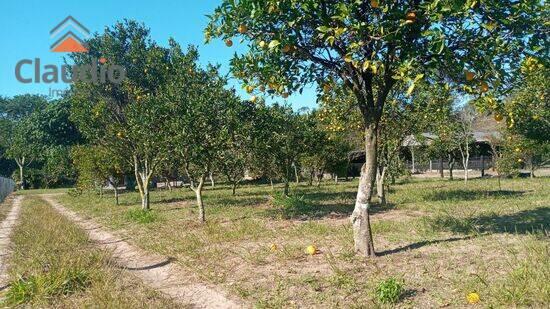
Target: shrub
x: 389, y: 291
x: 56, y: 283
x: 291, y: 206
x: 141, y: 216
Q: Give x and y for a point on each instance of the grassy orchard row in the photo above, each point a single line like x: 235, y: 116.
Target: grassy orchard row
x: 176, y: 118
x: 55, y: 265
x: 373, y: 48
x: 441, y: 240
x: 382, y: 56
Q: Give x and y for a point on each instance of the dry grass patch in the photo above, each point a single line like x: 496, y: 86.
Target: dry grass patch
x: 54, y: 265
x: 443, y: 239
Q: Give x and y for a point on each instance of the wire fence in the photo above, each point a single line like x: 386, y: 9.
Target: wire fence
x: 6, y: 187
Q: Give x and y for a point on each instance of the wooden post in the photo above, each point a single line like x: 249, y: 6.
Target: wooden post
x: 482, y: 166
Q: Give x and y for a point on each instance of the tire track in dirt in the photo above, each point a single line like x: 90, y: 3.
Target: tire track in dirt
x: 156, y: 271
x: 6, y: 229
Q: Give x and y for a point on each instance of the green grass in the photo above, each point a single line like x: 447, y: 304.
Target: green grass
x: 141, y: 216
x: 443, y: 238
x: 389, y: 291
x: 54, y: 265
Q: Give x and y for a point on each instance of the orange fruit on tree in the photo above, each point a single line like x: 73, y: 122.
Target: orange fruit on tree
x: 228, y: 43
x: 253, y: 99
x: 285, y: 95
x: 242, y: 29
x: 498, y: 117
x: 484, y: 87
x: 411, y: 16
x: 469, y: 75
x: 249, y: 89
x: 326, y: 87
x: 374, y: 4
x: 286, y: 49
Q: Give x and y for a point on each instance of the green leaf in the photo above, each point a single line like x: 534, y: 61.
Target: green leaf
x: 410, y: 89
x: 366, y: 65
x: 274, y: 44
x: 323, y: 29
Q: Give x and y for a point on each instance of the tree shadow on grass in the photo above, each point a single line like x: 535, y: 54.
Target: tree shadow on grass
x: 317, y: 208
x: 523, y: 222
x: 469, y: 195
x: 421, y: 244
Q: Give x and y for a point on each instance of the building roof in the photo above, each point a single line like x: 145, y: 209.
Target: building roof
x: 428, y: 138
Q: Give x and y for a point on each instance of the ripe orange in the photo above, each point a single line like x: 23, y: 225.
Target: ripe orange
x: 374, y: 4
x: 242, y: 29
x: 411, y: 16
x: 326, y: 87
x: 498, y: 117
x: 484, y: 87
x: 253, y: 99
x: 228, y: 43
x: 249, y: 89
x: 311, y: 250
x: 469, y: 75
x: 286, y: 49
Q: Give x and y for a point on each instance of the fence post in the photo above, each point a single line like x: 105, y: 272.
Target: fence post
x: 482, y: 166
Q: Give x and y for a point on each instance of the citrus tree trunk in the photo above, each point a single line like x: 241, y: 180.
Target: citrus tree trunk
x: 234, y: 188
x: 212, y: 183
x: 21, y: 165
x: 296, y: 174
x: 200, y: 204
x: 380, y: 189
x: 143, y: 172
x: 451, y: 166
x: 360, y: 219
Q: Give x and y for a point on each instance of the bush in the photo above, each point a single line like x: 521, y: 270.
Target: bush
x: 291, y: 206
x: 141, y: 216
x: 63, y: 282
x: 389, y: 291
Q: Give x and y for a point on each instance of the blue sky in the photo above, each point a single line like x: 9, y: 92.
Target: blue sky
x: 25, y: 26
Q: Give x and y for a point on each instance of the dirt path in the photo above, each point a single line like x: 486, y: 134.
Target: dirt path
x: 154, y: 270
x: 6, y: 229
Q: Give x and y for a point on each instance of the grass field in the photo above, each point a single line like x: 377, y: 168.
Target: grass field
x: 441, y: 239
x: 54, y: 265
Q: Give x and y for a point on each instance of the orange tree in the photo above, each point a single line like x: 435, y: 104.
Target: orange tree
x: 126, y: 118
x: 527, y: 113
x: 370, y: 46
